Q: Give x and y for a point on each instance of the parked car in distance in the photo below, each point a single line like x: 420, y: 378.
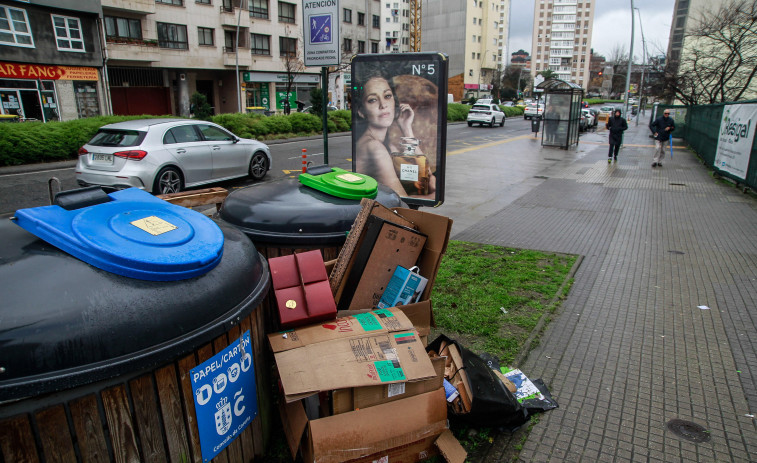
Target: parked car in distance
x: 607, y: 110
x: 486, y: 114
x: 508, y: 103
x: 307, y: 108
x: 487, y: 101
x: 632, y: 101
x: 583, y: 122
x: 533, y: 111
x: 595, y: 113
x: 590, y: 120
x: 168, y: 155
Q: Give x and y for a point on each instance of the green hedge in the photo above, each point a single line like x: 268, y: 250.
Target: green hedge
x: 34, y: 142
x: 601, y: 100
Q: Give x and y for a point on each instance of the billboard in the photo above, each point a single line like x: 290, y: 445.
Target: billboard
x: 399, y: 123
x: 735, y: 139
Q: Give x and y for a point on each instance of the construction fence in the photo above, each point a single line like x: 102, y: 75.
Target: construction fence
x: 700, y: 126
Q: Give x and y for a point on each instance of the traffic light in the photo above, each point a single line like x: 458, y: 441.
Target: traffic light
x: 599, y: 73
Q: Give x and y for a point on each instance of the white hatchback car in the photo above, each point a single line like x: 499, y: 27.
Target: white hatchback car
x: 168, y: 155
x: 486, y: 114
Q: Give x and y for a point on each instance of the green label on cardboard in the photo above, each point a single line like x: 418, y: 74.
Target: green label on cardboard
x: 368, y: 321
x: 384, y: 312
x: 389, y: 371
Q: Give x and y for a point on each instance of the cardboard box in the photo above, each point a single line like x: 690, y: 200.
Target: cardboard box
x: 302, y: 290
x: 402, y: 431
x: 419, y: 314
x: 383, y: 247
x: 405, y: 287
x: 372, y: 349
x: 347, y: 400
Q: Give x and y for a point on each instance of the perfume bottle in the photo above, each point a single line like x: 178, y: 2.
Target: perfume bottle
x: 411, y: 168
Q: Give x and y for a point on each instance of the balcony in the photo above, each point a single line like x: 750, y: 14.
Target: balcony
x: 131, y: 6
x: 122, y: 49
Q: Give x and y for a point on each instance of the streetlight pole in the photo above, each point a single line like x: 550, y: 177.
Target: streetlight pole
x: 643, y: 65
x: 630, y: 64
x: 236, y: 59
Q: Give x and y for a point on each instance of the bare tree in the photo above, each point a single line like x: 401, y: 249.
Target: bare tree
x: 719, y: 59
x: 618, y: 55
x: 293, y: 65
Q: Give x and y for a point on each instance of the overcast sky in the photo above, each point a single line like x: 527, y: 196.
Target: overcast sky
x: 612, y: 25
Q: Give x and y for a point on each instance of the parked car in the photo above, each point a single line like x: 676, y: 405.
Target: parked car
x: 508, y: 103
x: 486, y: 114
x: 583, y: 122
x: 584, y: 104
x: 607, y: 110
x: 487, y: 101
x: 590, y: 120
x: 168, y: 155
x: 633, y: 101
x: 306, y: 109
x: 533, y: 111
x: 595, y: 113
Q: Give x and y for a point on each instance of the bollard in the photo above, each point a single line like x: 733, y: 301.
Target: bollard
x: 304, y: 161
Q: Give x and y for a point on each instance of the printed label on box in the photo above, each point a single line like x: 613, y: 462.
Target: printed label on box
x: 404, y: 338
x: 389, y: 371
x: 395, y: 389
x: 368, y: 321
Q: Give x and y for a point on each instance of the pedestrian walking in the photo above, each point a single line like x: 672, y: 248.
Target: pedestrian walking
x: 616, y: 125
x: 662, y: 128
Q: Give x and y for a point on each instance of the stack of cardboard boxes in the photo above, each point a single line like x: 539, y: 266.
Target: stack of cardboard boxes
x: 361, y: 387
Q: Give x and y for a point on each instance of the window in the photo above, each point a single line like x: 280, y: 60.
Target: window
x: 361, y: 19
x: 259, y: 9
x: 474, y: 21
x: 347, y: 45
x: 123, y: 27
x: 172, y: 36
x: 474, y: 38
x: 374, y: 47
x: 286, y: 12
x: 473, y: 55
x: 181, y: 134
x: 347, y: 15
x: 388, y: 19
x: 205, y: 36
x: 211, y: 133
x: 171, y: 2
x: 14, y: 27
x: 287, y: 46
x: 376, y: 20
x: 68, y: 35
x: 229, y: 41
x: 360, y: 46
x: 396, y: 19
x: 204, y: 2
x: 261, y: 44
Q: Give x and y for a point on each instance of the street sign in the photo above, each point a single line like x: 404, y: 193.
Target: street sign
x: 321, y: 32
x: 225, y: 396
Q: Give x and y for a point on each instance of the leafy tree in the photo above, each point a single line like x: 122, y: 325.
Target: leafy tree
x: 200, y: 106
x: 316, y: 101
x: 719, y: 58
x: 547, y: 74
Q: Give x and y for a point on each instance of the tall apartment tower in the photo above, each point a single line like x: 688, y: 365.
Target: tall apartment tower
x: 469, y: 32
x: 562, y: 39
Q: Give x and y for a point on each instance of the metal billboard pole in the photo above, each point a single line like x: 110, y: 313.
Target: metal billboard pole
x: 630, y: 64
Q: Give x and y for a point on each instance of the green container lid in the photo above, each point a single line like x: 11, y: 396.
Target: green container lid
x: 340, y: 183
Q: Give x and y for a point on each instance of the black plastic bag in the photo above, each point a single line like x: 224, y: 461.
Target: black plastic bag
x: 492, y: 404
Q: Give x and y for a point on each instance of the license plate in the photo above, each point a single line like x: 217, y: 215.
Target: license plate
x: 98, y: 157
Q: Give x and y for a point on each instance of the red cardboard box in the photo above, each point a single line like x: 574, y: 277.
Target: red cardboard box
x: 302, y: 290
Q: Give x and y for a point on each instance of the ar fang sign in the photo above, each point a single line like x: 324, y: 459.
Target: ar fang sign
x: 225, y: 396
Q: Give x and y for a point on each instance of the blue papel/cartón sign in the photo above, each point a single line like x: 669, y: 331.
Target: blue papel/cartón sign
x: 225, y: 396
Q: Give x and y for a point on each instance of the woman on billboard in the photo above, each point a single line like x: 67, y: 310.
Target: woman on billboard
x: 395, y: 161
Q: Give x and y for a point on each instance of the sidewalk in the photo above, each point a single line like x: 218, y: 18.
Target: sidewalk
x: 630, y: 349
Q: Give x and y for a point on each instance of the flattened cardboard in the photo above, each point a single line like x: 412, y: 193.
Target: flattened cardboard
x: 355, y: 324
x: 370, y: 431
x: 367, y: 360
x: 450, y: 448
x: 346, y: 400
x: 384, y: 247
x: 343, y: 263
x: 419, y: 314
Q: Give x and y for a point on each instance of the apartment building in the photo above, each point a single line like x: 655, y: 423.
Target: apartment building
x: 561, y: 39
x: 51, y: 65
x: 469, y: 32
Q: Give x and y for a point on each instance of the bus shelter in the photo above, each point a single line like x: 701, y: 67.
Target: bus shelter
x: 562, y: 112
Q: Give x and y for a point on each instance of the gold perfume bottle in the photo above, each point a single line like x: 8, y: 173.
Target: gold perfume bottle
x: 412, y: 169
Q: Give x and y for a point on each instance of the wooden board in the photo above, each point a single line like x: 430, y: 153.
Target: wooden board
x: 16, y: 440
x: 171, y: 410
x: 122, y: 432
x: 54, y: 435
x: 89, y: 430
x: 147, y: 418
x: 197, y: 197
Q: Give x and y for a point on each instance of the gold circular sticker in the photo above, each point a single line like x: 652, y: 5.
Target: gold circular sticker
x: 291, y: 304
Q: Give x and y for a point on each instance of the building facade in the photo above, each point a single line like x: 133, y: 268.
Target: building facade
x: 561, y: 39
x: 469, y: 32
x: 51, y: 65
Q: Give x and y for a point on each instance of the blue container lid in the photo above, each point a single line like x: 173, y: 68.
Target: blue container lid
x: 133, y: 234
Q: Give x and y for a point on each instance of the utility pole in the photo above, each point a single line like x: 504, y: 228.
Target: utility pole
x: 630, y: 66
x: 236, y: 59
x: 643, y: 66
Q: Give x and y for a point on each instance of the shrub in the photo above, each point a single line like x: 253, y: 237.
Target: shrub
x: 342, y: 120
x: 512, y: 111
x: 305, y: 123
x: 200, y: 106
x: 273, y: 125
x: 457, y: 112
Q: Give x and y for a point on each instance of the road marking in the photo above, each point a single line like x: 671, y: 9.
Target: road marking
x: 488, y: 145
x: 36, y: 172
x: 288, y: 172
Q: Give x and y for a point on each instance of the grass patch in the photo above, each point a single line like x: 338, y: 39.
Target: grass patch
x: 490, y: 298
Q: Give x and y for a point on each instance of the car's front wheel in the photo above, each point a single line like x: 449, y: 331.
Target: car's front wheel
x: 168, y: 181
x: 502, y: 122
x: 258, y: 165
x: 491, y: 123
x: 470, y: 124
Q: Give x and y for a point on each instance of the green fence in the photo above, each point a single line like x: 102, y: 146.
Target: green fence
x: 700, y: 127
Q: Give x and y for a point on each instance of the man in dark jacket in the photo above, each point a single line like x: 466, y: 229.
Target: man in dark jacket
x: 616, y: 125
x: 662, y: 127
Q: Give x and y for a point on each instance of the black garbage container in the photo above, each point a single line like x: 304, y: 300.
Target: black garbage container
x: 97, y: 366
x: 535, y: 125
